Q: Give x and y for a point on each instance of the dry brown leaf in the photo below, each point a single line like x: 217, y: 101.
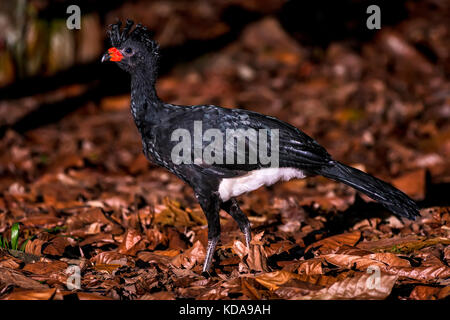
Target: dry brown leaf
x: 380, y: 260
x: 402, y: 244
x: 249, y: 290
x: 278, y: 247
x: 389, y: 259
x: 12, y: 277
x: 46, y: 268
x: 444, y: 293
x: 161, y: 295
x: 197, y: 215
x: 109, y: 268
x: 350, y: 262
x: 10, y: 263
x: 56, y: 246
x: 273, y: 280
x: 175, y: 239
x: 109, y: 257
x: 97, y: 239
x: 424, y: 293
x: 254, y: 258
x: 87, y: 217
x: 428, y: 273
x: 310, y: 267
x: 189, y: 258
x: 359, y: 286
x: 333, y: 243
x: 324, y: 280
x: 151, y: 257
x: 34, y: 247
x: 7, y: 260
x: 43, y: 294
x: 91, y: 296
x: 171, y: 214
x: 155, y: 238
x: 167, y: 253
x: 130, y: 242
x: 41, y: 220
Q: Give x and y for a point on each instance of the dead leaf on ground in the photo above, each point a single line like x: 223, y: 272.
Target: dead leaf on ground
x: 253, y: 258
x: 191, y: 257
x: 56, y: 246
x: 131, y: 242
x: 359, y: 286
x: 43, y: 294
x: 273, y: 280
x: 15, y: 278
x: 46, y: 268
x: 333, y: 243
x: 425, y: 293
x: 110, y: 257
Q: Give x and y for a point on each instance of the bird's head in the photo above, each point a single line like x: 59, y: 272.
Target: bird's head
x: 133, y: 49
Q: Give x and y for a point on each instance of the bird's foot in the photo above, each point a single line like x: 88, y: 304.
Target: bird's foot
x: 212, y: 243
x: 248, y: 236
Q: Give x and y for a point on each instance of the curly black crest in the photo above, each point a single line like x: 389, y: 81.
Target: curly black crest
x: 139, y: 33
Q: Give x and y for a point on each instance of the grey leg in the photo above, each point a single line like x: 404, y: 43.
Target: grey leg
x: 211, y: 207
x: 232, y: 208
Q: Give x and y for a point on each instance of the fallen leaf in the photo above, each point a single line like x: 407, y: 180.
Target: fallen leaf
x: 189, y: 258
x: 424, y: 293
x: 109, y: 257
x: 402, y: 244
x: 130, y: 242
x: 428, y: 273
x: 273, y: 280
x: 46, y: 268
x: 12, y: 277
x: 34, y: 247
x: 56, y: 246
x: 359, y: 286
x: 91, y: 296
x: 43, y: 294
x: 333, y: 243
x: 254, y: 258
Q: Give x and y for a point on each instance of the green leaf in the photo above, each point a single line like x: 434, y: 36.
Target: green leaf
x: 55, y: 229
x: 15, y: 235
x: 22, y: 247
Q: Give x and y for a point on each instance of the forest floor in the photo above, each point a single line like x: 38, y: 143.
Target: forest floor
x: 88, y: 203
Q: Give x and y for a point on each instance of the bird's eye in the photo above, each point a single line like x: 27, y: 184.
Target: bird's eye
x: 128, y: 51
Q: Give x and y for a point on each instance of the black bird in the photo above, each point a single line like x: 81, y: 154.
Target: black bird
x: 164, y: 127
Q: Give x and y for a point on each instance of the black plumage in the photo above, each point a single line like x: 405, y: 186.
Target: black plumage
x: 135, y: 52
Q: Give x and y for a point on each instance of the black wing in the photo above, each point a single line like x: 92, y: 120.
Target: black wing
x: 295, y: 149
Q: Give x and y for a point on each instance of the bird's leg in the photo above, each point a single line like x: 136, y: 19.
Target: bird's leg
x: 211, y: 207
x: 212, y: 243
x: 232, y: 208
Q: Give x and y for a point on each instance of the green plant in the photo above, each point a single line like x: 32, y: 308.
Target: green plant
x: 14, y: 240
x: 15, y: 236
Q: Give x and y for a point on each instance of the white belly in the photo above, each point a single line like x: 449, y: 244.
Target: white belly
x: 233, y: 187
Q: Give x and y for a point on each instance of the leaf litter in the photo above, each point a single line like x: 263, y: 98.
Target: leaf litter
x: 86, y: 197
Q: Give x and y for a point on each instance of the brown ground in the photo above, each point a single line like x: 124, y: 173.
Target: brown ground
x: 84, y: 194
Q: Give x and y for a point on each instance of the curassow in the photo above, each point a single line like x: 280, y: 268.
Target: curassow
x: 164, y: 127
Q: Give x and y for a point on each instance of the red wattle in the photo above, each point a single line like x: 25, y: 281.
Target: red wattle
x: 115, y: 54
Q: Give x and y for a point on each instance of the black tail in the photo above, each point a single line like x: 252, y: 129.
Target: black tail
x: 390, y: 197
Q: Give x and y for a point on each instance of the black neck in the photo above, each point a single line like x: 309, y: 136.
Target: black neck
x: 145, y: 103
x: 143, y: 82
